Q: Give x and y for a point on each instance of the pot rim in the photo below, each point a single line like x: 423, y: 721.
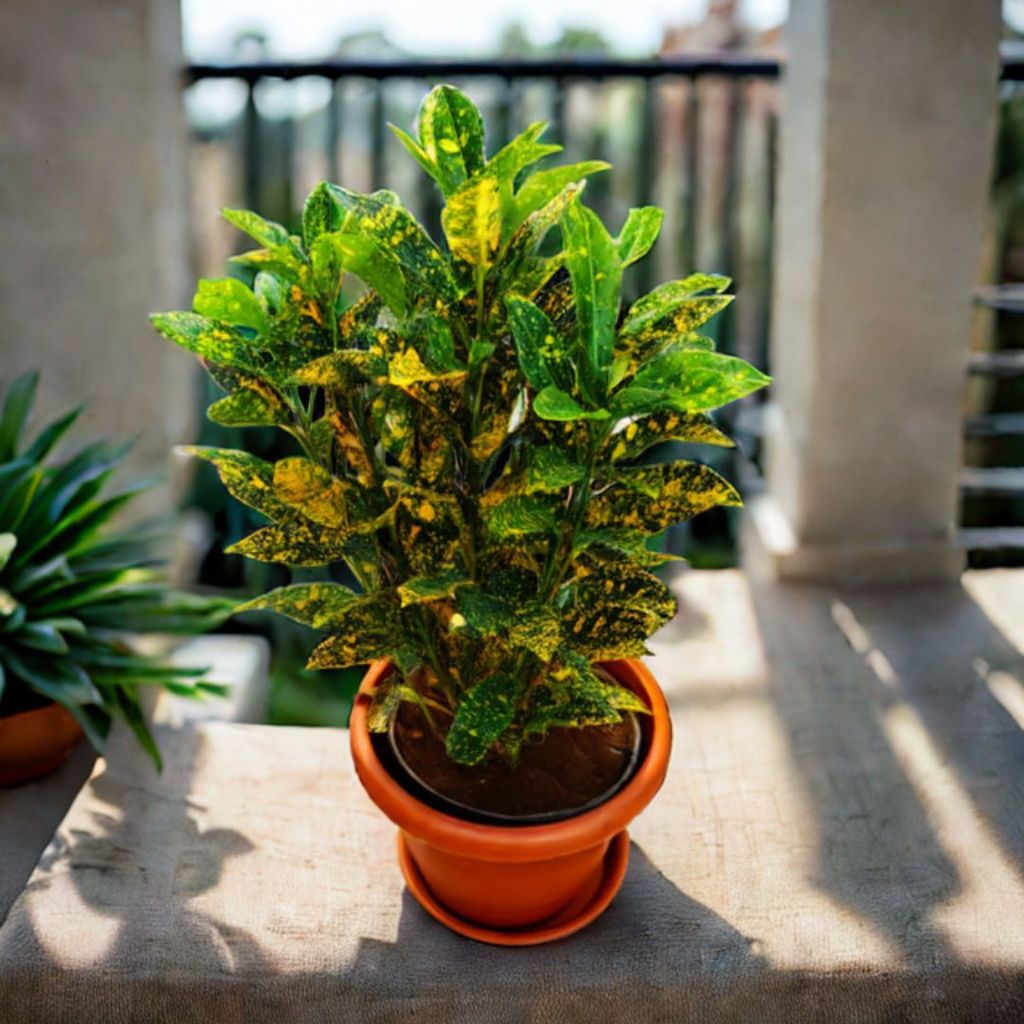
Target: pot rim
x: 519, y: 820
x: 517, y: 843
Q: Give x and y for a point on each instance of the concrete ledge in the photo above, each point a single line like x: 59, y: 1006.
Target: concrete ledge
x: 841, y: 838
x: 29, y: 816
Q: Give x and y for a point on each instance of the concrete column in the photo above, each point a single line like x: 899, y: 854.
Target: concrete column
x: 887, y: 135
x: 92, y: 207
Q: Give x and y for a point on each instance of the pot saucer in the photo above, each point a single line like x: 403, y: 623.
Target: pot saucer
x: 578, y: 914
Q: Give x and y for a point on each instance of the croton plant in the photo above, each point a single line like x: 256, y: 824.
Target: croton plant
x: 472, y: 432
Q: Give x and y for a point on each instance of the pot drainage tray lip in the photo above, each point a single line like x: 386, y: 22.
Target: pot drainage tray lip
x: 578, y: 914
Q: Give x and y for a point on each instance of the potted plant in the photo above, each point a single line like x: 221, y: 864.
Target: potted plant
x: 71, y: 594
x: 468, y: 435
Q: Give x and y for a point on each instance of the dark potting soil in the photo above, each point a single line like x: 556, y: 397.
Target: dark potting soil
x: 563, y: 772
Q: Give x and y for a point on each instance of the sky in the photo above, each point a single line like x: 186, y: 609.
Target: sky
x: 309, y: 29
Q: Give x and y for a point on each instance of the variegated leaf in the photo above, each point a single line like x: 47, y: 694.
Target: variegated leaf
x: 543, y: 353
x: 295, y: 542
x: 215, y: 342
x: 312, y: 491
x: 484, y: 713
x: 451, y: 136
x: 422, y: 589
x: 676, y: 307
x: 472, y: 221
x: 313, y: 604
x: 247, y: 478
x: 543, y: 186
x: 364, y: 630
x: 650, y: 498
x: 639, y: 233
x: 596, y: 273
x: 687, y: 380
x: 228, y: 300
x: 549, y: 469
x: 254, y: 404
x: 379, y: 217
x: 638, y: 435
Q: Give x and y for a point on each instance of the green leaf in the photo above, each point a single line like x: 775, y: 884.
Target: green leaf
x: 344, y: 369
x: 638, y: 435
x: 8, y: 542
x: 596, y: 273
x: 484, y: 713
x: 614, y: 608
x: 364, y: 630
x: 266, y: 232
x: 520, y: 153
x: 374, y: 263
x: 554, y: 404
x: 320, y: 215
x: 61, y: 679
x: 295, y: 542
x: 451, y: 136
x: 279, y: 263
x: 311, y: 490
x: 543, y: 354
x: 228, y: 300
x: 41, y: 636
x: 620, y: 541
x: 688, y: 380
x: 216, y: 342
x: 408, y: 369
x: 472, y: 221
x: 550, y: 469
x: 542, y: 186
x: 18, y: 401
x: 639, y: 233
x: 254, y: 404
x: 387, y: 696
x: 676, y: 307
x: 48, y: 437
x: 314, y: 604
x: 650, y: 498
x: 524, y: 272
x: 247, y: 478
x: 574, y: 695
x: 418, y: 153
x: 520, y: 516
x: 421, y: 589
x: 377, y: 216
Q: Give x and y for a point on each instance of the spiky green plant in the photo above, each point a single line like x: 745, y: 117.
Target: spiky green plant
x: 468, y: 432
x: 73, y: 591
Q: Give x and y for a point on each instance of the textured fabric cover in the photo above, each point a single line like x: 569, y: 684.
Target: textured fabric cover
x: 840, y: 839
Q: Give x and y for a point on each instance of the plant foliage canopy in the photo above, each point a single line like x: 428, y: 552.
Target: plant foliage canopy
x: 468, y: 430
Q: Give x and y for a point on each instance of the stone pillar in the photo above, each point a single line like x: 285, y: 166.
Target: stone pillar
x: 887, y: 135
x: 93, y: 208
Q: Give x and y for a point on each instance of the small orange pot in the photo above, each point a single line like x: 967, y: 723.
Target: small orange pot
x: 508, y: 884
x: 35, y: 743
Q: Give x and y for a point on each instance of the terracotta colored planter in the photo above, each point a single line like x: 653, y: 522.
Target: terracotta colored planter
x: 516, y: 884
x: 35, y: 743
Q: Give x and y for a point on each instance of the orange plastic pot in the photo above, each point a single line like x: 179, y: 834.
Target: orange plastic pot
x: 513, y: 879
x: 35, y: 743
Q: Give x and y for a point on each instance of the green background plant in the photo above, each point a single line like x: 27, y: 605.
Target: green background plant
x: 73, y: 591
x: 468, y: 432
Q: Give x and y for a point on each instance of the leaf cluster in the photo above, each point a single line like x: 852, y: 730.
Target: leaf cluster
x: 73, y: 591
x: 469, y: 432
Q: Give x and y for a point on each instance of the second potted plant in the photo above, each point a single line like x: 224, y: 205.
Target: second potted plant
x: 473, y: 469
